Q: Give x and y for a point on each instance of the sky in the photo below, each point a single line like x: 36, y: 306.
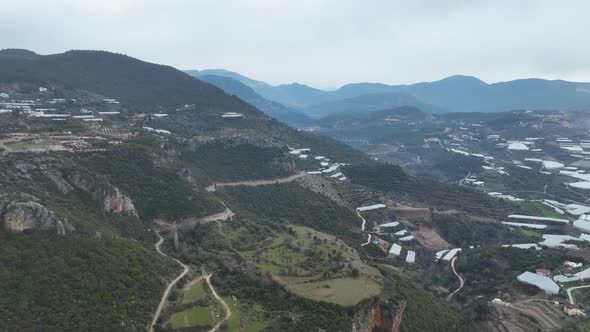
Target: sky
x: 322, y: 43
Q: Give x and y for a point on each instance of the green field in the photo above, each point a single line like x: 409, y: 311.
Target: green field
x: 342, y: 291
x: 202, y: 315
x: 197, y: 316
x: 582, y: 297
x: 317, y: 266
x: 284, y: 256
x: 233, y: 324
x: 258, y: 326
x: 528, y: 233
x: 537, y: 209
x: 194, y: 292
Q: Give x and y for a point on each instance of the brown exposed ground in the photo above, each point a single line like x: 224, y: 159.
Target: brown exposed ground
x: 429, y: 238
x: 254, y: 183
x: 189, y: 223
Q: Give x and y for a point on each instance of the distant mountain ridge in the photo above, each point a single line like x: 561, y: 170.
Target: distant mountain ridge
x: 452, y: 94
x: 274, y: 109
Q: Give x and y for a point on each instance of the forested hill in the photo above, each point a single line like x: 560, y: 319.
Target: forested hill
x: 129, y: 80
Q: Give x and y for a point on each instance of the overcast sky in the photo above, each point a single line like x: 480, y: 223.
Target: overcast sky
x: 323, y: 43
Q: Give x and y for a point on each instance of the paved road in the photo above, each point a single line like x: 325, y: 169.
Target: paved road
x: 461, y: 281
x: 170, y: 285
x: 227, y: 309
x: 255, y: 183
x: 569, y: 292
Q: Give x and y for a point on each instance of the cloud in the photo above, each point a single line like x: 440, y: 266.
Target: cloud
x: 319, y: 42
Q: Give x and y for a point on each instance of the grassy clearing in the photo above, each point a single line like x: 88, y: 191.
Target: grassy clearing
x: 582, y: 297
x: 537, y: 209
x: 233, y: 323
x: 283, y: 255
x: 318, y: 266
x: 529, y: 233
x: 343, y: 291
x: 196, y: 316
x: 194, y: 293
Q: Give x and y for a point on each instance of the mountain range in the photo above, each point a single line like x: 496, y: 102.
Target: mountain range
x: 108, y: 209
x: 452, y: 94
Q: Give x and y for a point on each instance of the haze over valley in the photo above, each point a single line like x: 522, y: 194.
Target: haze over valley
x: 142, y: 191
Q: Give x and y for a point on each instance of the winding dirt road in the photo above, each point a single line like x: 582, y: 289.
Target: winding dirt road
x: 363, y: 219
x: 368, y: 241
x: 461, y: 281
x: 218, y: 298
x: 254, y: 183
x: 170, y: 285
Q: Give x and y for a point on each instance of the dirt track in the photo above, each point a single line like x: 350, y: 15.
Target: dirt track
x: 170, y: 285
x: 363, y: 219
x: 461, y: 281
x: 189, y: 223
x: 227, y: 309
x: 254, y: 183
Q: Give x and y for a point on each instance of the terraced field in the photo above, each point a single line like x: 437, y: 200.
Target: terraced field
x: 430, y: 193
x: 528, y: 315
x: 318, y: 266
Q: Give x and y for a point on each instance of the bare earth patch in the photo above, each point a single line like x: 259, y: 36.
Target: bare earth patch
x: 429, y: 238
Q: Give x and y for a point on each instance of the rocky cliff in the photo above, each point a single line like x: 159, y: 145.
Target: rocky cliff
x: 21, y: 216
x: 114, y: 201
x: 378, y: 316
x: 110, y: 197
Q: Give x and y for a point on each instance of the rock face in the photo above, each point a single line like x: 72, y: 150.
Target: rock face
x: 116, y: 202
x: 20, y: 216
x: 378, y: 317
x: 110, y: 198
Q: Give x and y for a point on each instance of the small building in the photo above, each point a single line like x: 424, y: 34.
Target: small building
x: 395, y: 250
x: 411, y: 257
x: 4, y: 95
x: 572, y: 310
x: 543, y: 272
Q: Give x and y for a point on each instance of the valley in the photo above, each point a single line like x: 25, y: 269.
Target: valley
x: 196, y: 211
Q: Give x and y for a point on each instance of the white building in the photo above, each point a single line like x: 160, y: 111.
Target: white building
x: 411, y: 257
x: 371, y: 207
x: 542, y: 282
x: 395, y: 250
